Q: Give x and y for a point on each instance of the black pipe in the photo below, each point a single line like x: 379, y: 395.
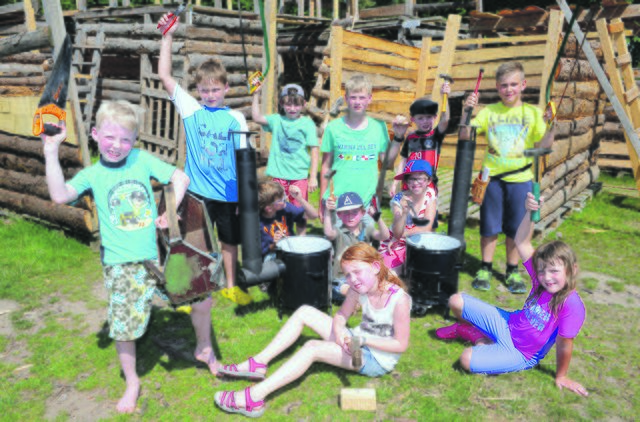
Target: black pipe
x: 253, y: 271
x: 461, y: 184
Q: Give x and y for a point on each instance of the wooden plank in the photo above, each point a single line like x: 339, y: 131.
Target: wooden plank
x: 380, y: 70
x: 336, y: 66
x: 374, y: 43
x: 500, y: 54
x: 610, y: 162
x: 613, y: 148
x: 632, y: 109
x: 375, y: 58
x: 551, y: 50
x: 470, y: 70
x: 447, y: 53
x: 423, y: 67
x: 631, y: 94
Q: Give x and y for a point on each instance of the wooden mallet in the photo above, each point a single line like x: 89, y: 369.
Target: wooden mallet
x: 536, y: 153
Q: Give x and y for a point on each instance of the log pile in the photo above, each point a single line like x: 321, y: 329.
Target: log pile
x: 23, y: 187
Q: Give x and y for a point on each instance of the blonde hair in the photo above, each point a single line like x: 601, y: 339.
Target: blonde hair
x: 211, y: 70
x: 358, y: 83
x: 121, y: 112
x: 557, y: 251
x: 507, y: 68
x: 366, y: 253
x: 268, y: 193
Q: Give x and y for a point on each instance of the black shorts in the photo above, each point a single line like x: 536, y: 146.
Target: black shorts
x: 223, y: 215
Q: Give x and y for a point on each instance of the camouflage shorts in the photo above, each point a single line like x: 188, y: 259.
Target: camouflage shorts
x: 131, y: 288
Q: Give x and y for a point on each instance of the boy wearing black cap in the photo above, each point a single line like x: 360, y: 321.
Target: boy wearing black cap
x: 293, y: 156
x: 425, y: 142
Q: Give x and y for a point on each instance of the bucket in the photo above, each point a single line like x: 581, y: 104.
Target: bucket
x: 432, y: 268
x: 306, y: 279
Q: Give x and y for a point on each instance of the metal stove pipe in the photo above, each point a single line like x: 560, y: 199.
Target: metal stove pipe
x: 462, y: 183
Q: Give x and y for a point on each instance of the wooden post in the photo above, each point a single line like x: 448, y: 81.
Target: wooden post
x: 615, y: 31
x: 335, y: 89
x: 408, y: 7
x: 423, y: 67
x: 53, y: 16
x: 300, y: 7
x: 446, y: 53
x: 336, y: 9
x: 551, y: 50
x: 270, y: 88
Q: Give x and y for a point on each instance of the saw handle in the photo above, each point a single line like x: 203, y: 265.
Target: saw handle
x: 39, y: 126
x: 535, y: 215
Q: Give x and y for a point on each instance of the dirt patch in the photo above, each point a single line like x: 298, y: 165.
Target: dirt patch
x: 78, y: 405
x: 6, y: 308
x: 604, y: 294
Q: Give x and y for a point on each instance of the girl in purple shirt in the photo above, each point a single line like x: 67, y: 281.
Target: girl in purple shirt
x: 553, y: 313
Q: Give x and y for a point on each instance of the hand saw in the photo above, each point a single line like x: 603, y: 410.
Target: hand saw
x: 54, y: 96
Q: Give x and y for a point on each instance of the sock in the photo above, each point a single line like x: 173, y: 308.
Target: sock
x: 486, y: 266
x: 511, y: 269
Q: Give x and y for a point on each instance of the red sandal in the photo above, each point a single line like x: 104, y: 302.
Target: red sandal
x: 226, y: 401
x: 233, y: 372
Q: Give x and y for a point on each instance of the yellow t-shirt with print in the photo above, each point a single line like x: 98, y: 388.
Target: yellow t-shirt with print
x: 509, y: 131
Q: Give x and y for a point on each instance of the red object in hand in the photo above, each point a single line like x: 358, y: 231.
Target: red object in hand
x: 173, y: 18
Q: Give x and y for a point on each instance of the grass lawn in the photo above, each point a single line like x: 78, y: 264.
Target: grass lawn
x: 57, y: 362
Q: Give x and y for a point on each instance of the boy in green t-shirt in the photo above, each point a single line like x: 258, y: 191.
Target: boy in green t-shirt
x: 352, y: 145
x: 511, y: 127
x: 121, y: 188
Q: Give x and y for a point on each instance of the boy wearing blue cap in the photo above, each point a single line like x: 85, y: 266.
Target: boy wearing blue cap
x: 350, y: 210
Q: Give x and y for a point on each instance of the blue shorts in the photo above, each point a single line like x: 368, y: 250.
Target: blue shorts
x: 503, y: 209
x: 501, y: 356
x: 371, y: 367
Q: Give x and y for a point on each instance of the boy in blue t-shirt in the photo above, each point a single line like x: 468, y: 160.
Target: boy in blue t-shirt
x: 277, y: 216
x: 128, y: 218
x: 211, y: 145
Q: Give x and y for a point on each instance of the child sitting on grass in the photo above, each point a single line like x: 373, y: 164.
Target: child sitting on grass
x: 278, y: 216
x: 553, y: 313
x: 350, y: 211
x: 383, y: 334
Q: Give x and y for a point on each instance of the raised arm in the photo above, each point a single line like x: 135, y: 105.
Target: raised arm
x: 256, y: 113
x: 60, y: 192
x: 164, y: 62
x: 522, y: 238
x: 383, y: 232
x: 564, y: 350
x: 330, y: 219
x: 547, y: 139
x: 309, y: 210
x: 444, y: 117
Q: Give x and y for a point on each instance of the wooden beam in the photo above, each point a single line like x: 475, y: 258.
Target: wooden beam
x: 27, y: 41
x: 551, y: 50
x: 447, y: 53
x: 336, y: 62
x: 423, y: 67
x: 616, y: 85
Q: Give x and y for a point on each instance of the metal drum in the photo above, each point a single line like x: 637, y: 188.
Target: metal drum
x: 306, y: 280
x: 432, y: 266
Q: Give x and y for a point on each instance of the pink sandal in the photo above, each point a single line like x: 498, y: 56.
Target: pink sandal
x: 226, y: 401
x: 233, y: 372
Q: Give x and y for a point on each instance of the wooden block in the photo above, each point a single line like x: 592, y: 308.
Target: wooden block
x: 631, y: 94
x: 358, y: 399
x: 615, y: 27
x: 623, y: 59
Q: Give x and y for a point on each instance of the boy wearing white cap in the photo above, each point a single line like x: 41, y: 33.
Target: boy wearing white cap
x: 293, y: 156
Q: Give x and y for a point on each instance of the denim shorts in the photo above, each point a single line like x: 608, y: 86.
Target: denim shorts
x: 371, y: 367
x: 503, y: 209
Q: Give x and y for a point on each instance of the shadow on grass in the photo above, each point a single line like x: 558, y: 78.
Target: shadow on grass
x: 170, y: 333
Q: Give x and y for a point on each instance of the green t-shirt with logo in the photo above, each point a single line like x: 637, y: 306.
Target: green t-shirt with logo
x: 125, y: 204
x: 509, y: 131
x: 355, y: 156
x: 289, y: 157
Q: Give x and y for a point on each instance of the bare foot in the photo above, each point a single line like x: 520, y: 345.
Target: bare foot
x: 207, y: 357
x: 127, y: 403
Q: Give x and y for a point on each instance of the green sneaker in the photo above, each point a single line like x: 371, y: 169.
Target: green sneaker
x: 515, y: 283
x: 482, y: 280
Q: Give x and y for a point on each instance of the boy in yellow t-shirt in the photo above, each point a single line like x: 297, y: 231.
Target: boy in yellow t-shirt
x: 511, y: 127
